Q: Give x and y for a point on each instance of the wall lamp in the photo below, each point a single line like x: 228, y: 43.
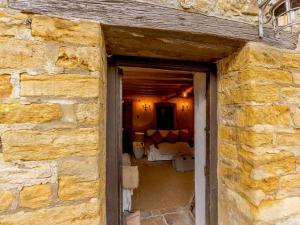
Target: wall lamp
x: 146, y: 106
x: 184, y: 107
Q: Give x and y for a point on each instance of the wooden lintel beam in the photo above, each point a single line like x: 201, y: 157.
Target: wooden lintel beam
x: 130, y: 13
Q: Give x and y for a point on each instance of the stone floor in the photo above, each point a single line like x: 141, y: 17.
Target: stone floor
x: 179, y: 216
x: 161, y: 187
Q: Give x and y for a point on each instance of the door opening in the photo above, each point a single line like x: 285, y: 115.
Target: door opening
x: 166, y: 151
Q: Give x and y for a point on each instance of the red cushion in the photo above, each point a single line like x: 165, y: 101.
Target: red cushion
x: 184, y: 136
x: 156, y: 137
x: 171, y: 137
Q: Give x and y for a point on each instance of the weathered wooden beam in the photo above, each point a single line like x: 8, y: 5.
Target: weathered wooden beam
x: 129, y: 13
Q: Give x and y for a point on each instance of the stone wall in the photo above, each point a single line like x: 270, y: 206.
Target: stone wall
x: 241, y: 10
x: 259, y: 137
x: 52, y: 120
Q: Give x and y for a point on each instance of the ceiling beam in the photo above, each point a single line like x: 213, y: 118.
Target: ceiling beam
x: 130, y: 13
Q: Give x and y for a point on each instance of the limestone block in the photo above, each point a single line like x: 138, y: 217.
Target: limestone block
x: 12, y: 24
x: 260, y: 93
x: 228, y: 134
x: 289, y: 139
x: 290, y: 95
x: 72, y: 188
x: 296, y: 77
x: 235, y: 8
x: 6, y: 199
x: 241, y: 205
x: 5, y: 86
x: 275, y: 210
x: 51, y: 144
x: 20, y: 174
x: 253, y: 139
x: 253, y: 54
x: 274, y: 169
x: 261, y: 74
x: 71, y: 57
x: 270, y: 114
x: 61, y: 85
x: 292, y: 220
x: 34, y: 113
x: 88, y: 113
x: 80, y: 32
x: 289, y: 186
x: 229, y: 154
x: 262, y: 159
x: 86, y: 169
x: 268, y: 185
x: 291, y: 59
x: 86, y: 213
x: 35, y: 196
x: 296, y: 117
x: 21, y: 54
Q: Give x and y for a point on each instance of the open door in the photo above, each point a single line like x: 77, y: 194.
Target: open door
x: 207, y: 211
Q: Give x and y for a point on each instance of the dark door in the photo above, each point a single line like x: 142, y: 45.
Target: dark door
x: 165, y: 116
x: 127, y: 126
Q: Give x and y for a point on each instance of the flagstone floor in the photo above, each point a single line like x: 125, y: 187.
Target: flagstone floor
x: 179, y: 216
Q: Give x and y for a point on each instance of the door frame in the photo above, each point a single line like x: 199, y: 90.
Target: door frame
x: 114, y: 129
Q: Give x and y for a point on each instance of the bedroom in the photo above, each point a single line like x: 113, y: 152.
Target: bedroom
x: 158, y: 146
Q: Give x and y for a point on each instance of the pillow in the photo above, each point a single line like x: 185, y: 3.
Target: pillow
x: 156, y: 138
x: 164, y: 133
x: 150, y: 132
x: 184, y: 136
x: 171, y: 137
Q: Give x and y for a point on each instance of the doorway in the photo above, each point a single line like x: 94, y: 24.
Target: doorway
x: 205, y: 208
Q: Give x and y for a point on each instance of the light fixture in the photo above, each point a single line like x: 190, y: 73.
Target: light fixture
x: 184, y: 94
x: 283, y: 15
x: 146, y: 106
x: 184, y: 107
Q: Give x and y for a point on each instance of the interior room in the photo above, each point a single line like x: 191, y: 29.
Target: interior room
x: 158, y: 146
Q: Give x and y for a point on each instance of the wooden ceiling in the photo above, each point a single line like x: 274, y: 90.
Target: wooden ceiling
x: 151, y: 82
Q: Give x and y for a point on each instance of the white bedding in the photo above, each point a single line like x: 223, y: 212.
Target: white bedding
x: 166, y: 151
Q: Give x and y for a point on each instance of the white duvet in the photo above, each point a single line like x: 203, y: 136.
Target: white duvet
x: 166, y: 151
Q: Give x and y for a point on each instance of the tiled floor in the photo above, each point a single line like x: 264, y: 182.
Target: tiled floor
x: 180, y: 216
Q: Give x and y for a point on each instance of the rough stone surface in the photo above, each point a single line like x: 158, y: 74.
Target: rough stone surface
x: 296, y: 117
x: 61, y: 85
x: 52, y: 115
x: 66, y: 30
x: 85, y: 169
x: 53, y: 144
x: 5, y: 86
x: 72, y: 188
x: 79, y: 58
x: 259, y: 138
x: 33, y: 113
x: 21, y: 54
x: 273, y: 115
x: 6, y: 199
x: 20, y: 174
x: 77, y: 214
x: 12, y: 24
x: 35, y: 196
x: 87, y: 113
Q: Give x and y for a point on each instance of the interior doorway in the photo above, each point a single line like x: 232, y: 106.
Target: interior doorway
x: 197, y: 161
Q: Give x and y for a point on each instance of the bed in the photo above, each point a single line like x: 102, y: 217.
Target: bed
x: 166, y: 150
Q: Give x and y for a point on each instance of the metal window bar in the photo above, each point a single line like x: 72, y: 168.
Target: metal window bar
x: 272, y: 10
